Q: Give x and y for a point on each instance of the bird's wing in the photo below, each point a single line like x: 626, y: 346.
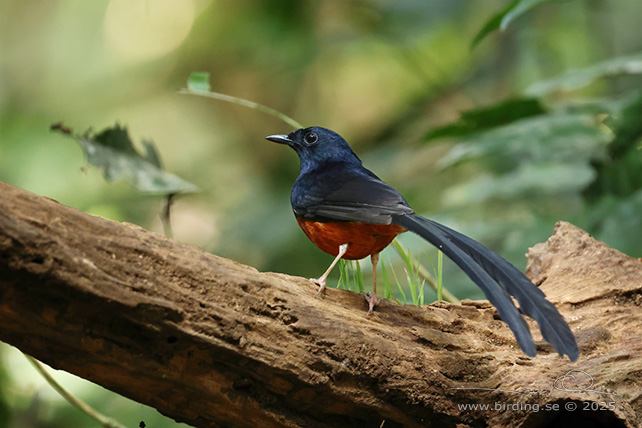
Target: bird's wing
x: 347, y: 194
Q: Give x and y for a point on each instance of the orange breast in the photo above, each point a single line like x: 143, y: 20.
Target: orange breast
x: 363, y: 239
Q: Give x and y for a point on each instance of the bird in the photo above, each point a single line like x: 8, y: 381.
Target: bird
x: 349, y: 212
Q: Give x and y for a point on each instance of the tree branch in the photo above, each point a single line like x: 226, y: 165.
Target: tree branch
x: 211, y: 342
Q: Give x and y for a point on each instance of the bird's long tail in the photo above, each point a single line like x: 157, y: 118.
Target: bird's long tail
x: 499, y: 280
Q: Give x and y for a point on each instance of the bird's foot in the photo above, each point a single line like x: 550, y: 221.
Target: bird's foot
x: 321, y: 283
x: 372, y: 301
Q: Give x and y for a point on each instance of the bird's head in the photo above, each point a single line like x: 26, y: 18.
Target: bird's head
x: 316, y: 146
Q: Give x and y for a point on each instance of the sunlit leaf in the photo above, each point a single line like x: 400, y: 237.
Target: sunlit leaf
x: 114, y: 154
x: 576, y: 79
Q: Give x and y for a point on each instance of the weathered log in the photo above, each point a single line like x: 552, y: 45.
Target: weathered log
x: 211, y: 342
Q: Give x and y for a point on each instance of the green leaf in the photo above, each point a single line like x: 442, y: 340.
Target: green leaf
x: 488, y: 117
x: 113, y: 152
x: 527, y: 181
x: 619, y: 173
x: 543, y: 138
x: 579, y: 78
x: 502, y: 19
x: 617, y: 221
x: 492, y: 24
x: 521, y: 8
x: 199, y: 81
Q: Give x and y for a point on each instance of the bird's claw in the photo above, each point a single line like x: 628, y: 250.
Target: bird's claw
x: 372, y: 301
x: 321, y: 283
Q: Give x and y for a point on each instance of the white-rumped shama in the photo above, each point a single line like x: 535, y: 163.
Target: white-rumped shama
x: 348, y: 212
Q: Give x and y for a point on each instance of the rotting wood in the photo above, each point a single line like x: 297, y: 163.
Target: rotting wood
x: 211, y: 342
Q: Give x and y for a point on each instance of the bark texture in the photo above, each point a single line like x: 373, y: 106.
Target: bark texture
x: 211, y: 342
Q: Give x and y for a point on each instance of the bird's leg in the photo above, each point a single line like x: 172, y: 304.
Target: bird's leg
x: 321, y: 281
x: 372, y: 298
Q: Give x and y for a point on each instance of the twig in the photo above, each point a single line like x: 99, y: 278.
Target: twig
x: 246, y: 103
x: 84, y: 407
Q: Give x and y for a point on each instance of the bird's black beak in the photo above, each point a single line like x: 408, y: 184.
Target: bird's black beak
x: 280, y: 138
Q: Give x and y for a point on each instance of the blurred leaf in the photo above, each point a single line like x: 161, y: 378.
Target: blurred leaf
x: 560, y: 137
x: 575, y: 79
x: 489, y: 117
x: 618, y: 222
x: 492, y: 24
x: 199, y: 81
x: 620, y: 172
x: 596, y: 107
x: 521, y: 8
x: 527, y: 181
x: 112, y: 151
x: 627, y: 127
x: 502, y: 19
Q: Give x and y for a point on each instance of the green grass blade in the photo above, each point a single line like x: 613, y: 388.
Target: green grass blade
x: 399, y: 287
x: 440, y: 279
x: 343, y: 274
x: 359, y: 277
x: 409, y: 269
x: 387, y: 291
x: 432, y: 282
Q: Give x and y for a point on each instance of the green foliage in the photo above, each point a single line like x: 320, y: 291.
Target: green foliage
x: 415, y: 285
x: 400, y: 288
x: 589, y: 149
x: 493, y: 23
x: 525, y: 182
x: 581, y: 77
x: 350, y: 276
x: 520, y: 8
x: 614, y: 198
x: 113, y: 152
x: 387, y: 288
x: 619, y: 173
x: 541, y: 155
x: 478, y: 119
x: 560, y: 137
x: 506, y: 16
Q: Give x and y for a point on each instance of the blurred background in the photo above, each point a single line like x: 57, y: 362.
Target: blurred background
x: 496, y: 118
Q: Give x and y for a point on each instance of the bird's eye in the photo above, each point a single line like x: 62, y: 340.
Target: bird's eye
x: 310, y: 138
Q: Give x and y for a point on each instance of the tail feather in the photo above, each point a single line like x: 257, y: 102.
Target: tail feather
x: 499, y: 279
